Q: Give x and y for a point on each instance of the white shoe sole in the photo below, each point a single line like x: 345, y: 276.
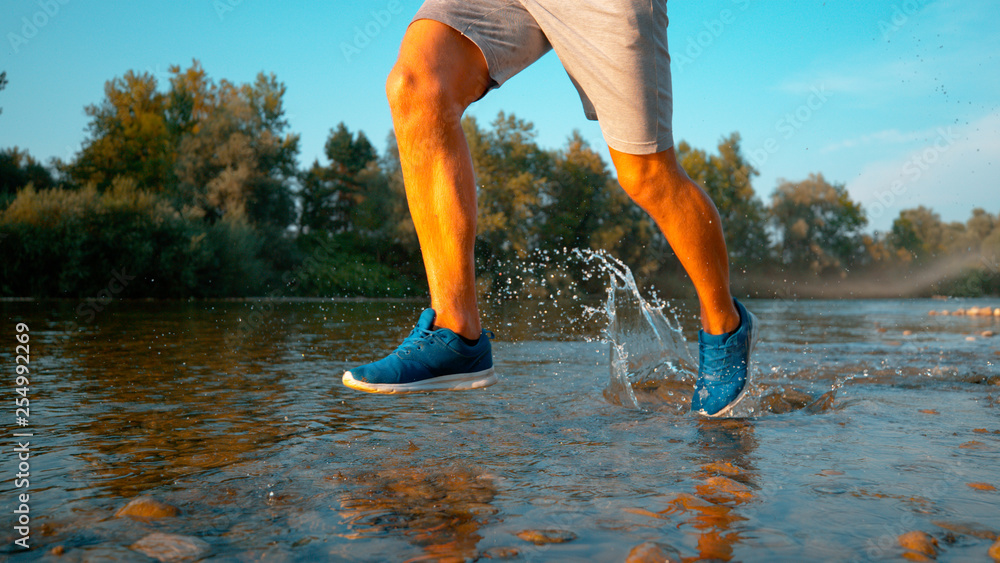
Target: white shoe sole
x: 746, y: 385
x: 456, y: 382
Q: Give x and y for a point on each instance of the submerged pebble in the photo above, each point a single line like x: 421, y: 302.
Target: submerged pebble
x: 994, y: 551
x: 653, y: 552
x: 171, y: 547
x: 542, y: 537
x: 973, y: 445
x: 501, y: 553
x: 919, y: 542
x: 147, y: 508
x: 982, y: 486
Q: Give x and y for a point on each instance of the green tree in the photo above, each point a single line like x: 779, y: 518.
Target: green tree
x: 512, y: 172
x: 584, y: 207
x: 917, y: 234
x: 127, y: 136
x: 18, y: 169
x: 818, y: 224
x: 217, y: 148
x: 726, y: 177
x: 330, y: 194
x: 981, y: 224
x: 574, y: 204
x: 237, y: 159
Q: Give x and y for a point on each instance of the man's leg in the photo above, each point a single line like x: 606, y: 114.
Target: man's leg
x: 440, y: 72
x: 691, y: 224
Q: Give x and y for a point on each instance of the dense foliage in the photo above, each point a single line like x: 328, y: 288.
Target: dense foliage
x: 194, y: 191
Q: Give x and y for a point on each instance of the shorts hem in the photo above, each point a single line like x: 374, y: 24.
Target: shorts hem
x: 649, y: 147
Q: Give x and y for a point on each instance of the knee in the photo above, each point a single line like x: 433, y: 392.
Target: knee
x: 416, y: 93
x: 645, y: 184
x: 650, y: 180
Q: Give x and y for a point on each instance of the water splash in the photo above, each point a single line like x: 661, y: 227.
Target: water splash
x: 652, y: 367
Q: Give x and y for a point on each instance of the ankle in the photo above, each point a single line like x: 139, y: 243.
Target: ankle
x: 721, y: 322
x: 468, y: 329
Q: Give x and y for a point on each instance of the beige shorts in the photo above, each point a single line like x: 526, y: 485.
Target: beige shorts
x: 615, y: 52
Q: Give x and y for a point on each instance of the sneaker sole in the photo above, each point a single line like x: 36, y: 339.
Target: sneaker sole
x: 746, y: 386
x: 455, y: 382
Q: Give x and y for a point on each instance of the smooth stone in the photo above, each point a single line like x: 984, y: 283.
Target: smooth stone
x: 501, y: 553
x: 982, y: 486
x: 973, y: 445
x: 171, y: 547
x: 994, y: 550
x: 542, y: 537
x: 920, y: 542
x: 147, y: 507
x: 987, y: 333
x: 653, y: 552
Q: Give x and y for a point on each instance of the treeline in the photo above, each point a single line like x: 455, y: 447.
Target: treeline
x: 194, y: 190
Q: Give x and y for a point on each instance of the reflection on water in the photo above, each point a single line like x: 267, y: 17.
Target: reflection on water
x: 859, y: 433
x: 440, y: 509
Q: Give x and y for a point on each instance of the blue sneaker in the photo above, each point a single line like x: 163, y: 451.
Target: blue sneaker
x: 428, y: 360
x: 724, y: 366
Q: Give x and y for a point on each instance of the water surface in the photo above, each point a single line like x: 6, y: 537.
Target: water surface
x: 234, y: 413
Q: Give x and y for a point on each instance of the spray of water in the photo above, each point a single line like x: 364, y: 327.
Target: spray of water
x: 652, y: 367
x: 651, y: 363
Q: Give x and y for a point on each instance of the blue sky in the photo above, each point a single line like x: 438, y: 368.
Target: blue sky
x: 899, y: 100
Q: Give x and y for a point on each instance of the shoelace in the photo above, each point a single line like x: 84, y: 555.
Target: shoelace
x: 418, y: 336
x: 718, y: 355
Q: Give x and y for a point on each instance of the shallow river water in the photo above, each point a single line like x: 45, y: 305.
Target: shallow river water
x: 867, y: 420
